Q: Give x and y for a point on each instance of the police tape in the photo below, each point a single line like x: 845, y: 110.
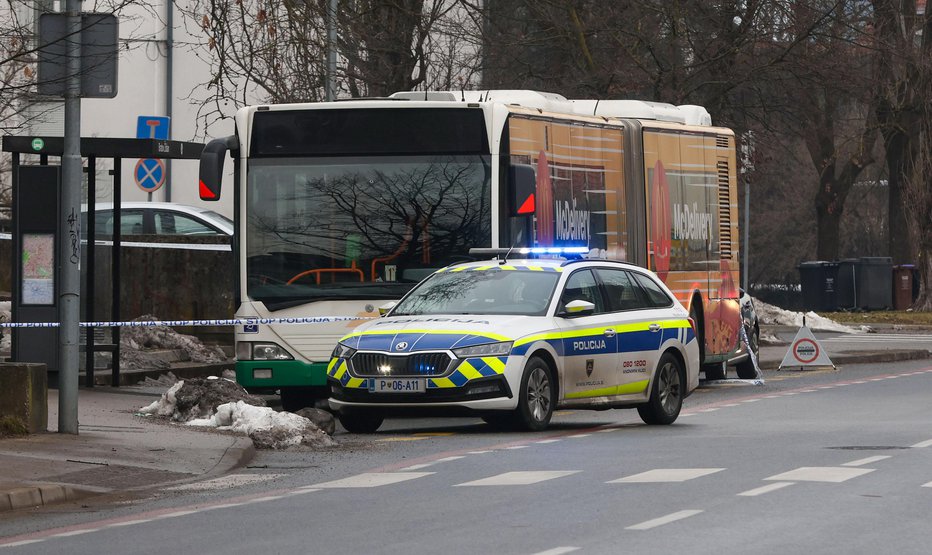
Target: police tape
x: 183, y: 323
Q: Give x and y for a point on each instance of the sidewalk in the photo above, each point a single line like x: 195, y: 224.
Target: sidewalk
x: 116, y: 451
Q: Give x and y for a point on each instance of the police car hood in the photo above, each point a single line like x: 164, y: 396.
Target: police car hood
x: 405, y: 334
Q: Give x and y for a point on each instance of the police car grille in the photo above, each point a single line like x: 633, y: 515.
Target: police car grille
x: 423, y: 364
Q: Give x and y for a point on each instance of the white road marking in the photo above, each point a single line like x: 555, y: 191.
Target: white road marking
x: 130, y: 522
x: 765, y: 489
x: 647, y: 525
x: 666, y: 475
x: 74, y: 533
x: 225, y: 482
x: 558, y: 551
x: 417, y: 466
x: 478, y: 452
x: 521, y: 478
x: 750, y: 400
x: 923, y: 444
x: 448, y: 459
x: 709, y: 410
x: 580, y: 435
x: 373, y: 479
x: 517, y: 447
x: 731, y: 405
x: 834, y: 474
x: 868, y: 460
x: 929, y: 485
x: 547, y: 441
x: 606, y: 430
x: 24, y: 542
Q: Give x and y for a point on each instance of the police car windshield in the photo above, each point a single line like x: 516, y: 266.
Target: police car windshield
x: 482, y: 290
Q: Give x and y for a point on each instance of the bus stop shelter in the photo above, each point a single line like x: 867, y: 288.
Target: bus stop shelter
x: 29, y: 148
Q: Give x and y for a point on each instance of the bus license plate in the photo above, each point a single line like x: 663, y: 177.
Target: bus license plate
x: 409, y: 385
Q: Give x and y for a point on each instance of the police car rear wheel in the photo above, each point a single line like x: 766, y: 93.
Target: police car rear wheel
x: 361, y: 422
x: 666, y: 398
x: 535, y: 405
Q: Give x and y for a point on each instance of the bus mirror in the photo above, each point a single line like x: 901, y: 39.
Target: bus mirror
x: 210, y: 175
x: 522, y: 184
x: 383, y: 310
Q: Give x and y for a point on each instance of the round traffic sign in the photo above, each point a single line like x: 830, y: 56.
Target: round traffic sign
x: 149, y: 174
x: 805, y: 350
x: 38, y: 144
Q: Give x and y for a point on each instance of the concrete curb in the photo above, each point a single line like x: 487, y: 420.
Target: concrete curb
x: 40, y: 494
x: 874, y: 357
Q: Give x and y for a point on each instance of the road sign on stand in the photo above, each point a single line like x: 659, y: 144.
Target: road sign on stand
x: 149, y: 174
x: 805, y: 352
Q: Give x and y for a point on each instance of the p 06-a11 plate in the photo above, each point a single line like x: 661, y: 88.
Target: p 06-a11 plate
x: 397, y: 385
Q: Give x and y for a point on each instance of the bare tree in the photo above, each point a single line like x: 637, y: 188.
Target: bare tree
x: 905, y: 37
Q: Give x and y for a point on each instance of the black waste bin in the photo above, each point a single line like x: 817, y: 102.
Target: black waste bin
x: 903, y: 286
x: 817, y: 279
x: 875, y: 283
x: 845, y: 290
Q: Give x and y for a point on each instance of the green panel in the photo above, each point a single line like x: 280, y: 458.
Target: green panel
x: 284, y: 373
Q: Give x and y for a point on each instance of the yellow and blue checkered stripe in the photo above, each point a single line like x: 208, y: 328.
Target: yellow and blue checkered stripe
x: 469, y: 369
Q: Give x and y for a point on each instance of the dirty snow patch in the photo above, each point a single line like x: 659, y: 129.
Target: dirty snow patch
x: 769, y: 314
x: 267, y: 427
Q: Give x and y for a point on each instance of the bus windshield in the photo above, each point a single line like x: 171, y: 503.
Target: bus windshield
x: 359, y: 227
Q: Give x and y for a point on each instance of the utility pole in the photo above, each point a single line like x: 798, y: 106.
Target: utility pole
x: 331, y: 86
x: 70, y: 220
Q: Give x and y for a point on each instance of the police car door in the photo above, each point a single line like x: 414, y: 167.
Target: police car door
x: 589, y: 340
x: 639, y: 327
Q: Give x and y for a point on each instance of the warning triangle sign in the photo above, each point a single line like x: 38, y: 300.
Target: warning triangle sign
x: 805, y: 352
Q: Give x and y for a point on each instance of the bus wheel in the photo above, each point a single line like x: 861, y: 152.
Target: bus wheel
x: 666, y: 396
x: 297, y: 398
x: 361, y: 421
x: 535, y: 404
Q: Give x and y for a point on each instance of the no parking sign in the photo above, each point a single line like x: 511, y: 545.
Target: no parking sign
x: 149, y: 174
x: 805, y: 352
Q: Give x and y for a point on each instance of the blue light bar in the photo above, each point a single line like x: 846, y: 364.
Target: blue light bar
x: 553, y: 250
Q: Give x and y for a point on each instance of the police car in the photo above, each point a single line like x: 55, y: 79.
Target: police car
x: 512, y: 340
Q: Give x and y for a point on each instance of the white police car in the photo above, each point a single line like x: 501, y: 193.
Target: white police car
x: 513, y: 340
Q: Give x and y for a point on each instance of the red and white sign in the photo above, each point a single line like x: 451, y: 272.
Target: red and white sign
x: 805, y: 352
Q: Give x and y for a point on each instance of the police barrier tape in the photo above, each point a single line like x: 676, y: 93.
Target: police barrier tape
x: 227, y: 322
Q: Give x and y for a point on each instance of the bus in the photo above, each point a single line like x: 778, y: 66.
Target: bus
x: 341, y: 207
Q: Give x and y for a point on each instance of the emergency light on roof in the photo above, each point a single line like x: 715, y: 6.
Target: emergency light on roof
x: 504, y: 252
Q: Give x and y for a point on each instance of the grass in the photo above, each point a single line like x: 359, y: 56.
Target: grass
x: 10, y: 427
x: 898, y: 317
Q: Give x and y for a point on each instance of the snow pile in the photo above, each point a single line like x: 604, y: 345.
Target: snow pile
x: 267, y: 428
x: 769, y: 314
x: 134, y: 342
x: 223, y: 404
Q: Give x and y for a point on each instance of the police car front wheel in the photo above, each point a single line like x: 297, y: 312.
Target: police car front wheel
x: 535, y: 404
x: 360, y: 421
x: 666, y: 397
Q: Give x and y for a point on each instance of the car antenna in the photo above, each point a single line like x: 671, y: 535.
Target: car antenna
x: 516, y: 241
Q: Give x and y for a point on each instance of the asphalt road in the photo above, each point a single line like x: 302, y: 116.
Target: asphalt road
x: 814, y: 462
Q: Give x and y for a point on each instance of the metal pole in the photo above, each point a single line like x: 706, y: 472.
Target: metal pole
x: 70, y: 254
x: 169, y: 88
x: 115, y: 269
x: 90, y: 272
x: 331, y: 85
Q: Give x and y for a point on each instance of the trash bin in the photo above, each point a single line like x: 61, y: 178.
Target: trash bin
x: 845, y: 290
x: 817, y: 279
x: 903, y: 286
x: 875, y: 283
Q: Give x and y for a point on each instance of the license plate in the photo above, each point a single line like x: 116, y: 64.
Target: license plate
x: 407, y: 385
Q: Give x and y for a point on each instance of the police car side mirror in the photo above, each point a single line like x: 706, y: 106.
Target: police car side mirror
x: 383, y: 310
x: 578, y: 307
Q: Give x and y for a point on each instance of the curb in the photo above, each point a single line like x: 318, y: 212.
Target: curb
x: 40, y: 494
x: 875, y: 357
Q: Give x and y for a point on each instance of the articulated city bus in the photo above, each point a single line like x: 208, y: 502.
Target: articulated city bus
x: 341, y: 207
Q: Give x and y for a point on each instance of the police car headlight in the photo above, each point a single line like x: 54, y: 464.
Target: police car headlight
x: 486, y: 350
x: 342, y: 351
x: 269, y: 351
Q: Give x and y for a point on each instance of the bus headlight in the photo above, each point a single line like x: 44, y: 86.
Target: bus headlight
x: 249, y: 350
x: 486, y: 350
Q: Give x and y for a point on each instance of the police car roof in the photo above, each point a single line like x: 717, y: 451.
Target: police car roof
x: 523, y: 260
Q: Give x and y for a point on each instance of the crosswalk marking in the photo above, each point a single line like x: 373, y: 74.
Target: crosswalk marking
x: 373, y: 479
x: 923, y: 444
x: 868, y: 460
x: 666, y: 475
x: 225, y: 482
x: 929, y: 485
x: 520, y: 478
x: 834, y: 474
x: 680, y: 515
x: 765, y: 489
x: 558, y: 551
